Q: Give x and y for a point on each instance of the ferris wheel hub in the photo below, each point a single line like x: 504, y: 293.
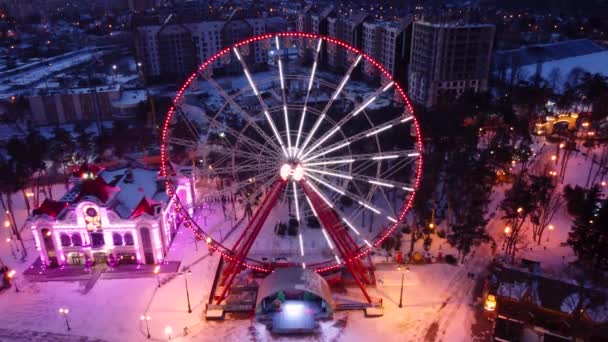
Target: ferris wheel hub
x: 293, y: 171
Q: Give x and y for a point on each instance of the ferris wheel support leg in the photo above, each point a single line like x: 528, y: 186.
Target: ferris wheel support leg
x: 339, y: 234
x: 250, y: 233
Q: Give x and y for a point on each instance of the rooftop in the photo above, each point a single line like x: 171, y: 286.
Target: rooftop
x: 541, y: 53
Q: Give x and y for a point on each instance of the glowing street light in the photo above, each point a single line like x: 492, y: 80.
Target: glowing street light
x: 407, y: 269
x: 603, y: 183
x: 146, y: 318
x: 520, y: 210
x: 562, y: 145
x: 168, y: 331
x: 11, y: 276
x: 157, y: 273
x: 507, y: 230
x: 554, y: 157
x: 7, y: 223
x: 64, y: 312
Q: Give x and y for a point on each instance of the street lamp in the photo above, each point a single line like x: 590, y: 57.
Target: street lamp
x: 64, y: 312
x: 146, y: 318
x: 157, y: 271
x: 185, y: 274
x: 8, y: 240
x: 551, y: 227
x: 507, y: 230
x: 407, y: 269
x: 11, y: 276
x: 168, y: 331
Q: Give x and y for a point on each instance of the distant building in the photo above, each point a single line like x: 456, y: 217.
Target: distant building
x: 115, y: 216
x: 62, y: 106
x: 388, y: 42
x: 448, y: 59
x: 174, y: 49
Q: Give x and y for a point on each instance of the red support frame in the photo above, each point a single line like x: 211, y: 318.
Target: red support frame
x: 245, y: 241
x: 342, y: 240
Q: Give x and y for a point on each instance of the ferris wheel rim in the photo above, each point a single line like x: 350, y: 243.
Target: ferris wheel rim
x: 217, y: 245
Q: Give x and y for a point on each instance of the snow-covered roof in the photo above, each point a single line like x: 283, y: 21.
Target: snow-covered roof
x: 130, y: 98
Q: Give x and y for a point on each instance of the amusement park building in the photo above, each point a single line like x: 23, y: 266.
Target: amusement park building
x: 121, y: 215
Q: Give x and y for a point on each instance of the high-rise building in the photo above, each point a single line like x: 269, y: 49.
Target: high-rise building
x: 348, y: 30
x: 447, y: 59
x: 174, y: 49
x: 388, y: 43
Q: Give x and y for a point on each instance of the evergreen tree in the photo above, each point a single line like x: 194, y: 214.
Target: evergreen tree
x: 589, y: 235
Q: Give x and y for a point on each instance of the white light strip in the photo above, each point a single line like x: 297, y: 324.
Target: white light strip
x: 300, y: 130
x: 370, y: 207
x: 276, y: 133
x: 276, y: 41
x: 295, y: 196
x: 407, y: 119
x: 311, y: 207
x: 301, y: 245
x: 413, y: 154
x: 392, y: 156
x: 328, y: 151
x: 357, y: 61
x: 367, y: 243
x: 332, y: 162
x: 378, y: 130
x: 312, y: 76
x: 364, y: 105
x: 318, y: 143
x: 388, y: 86
x: 327, y: 238
x: 312, y: 132
x: 407, y: 189
x: 321, y: 195
x: 350, y: 226
x: 236, y: 52
x: 303, y: 265
x: 326, y: 184
x: 281, y: 74
x: 255, y: 90
x: 381, y: 183
x: 319, y: 45
x: 287, y: 126
x: 392, y: 219
x: 340, y: 87
x: 337, y: 259
x: 328, y: 173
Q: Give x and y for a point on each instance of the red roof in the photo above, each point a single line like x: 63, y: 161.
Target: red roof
x: 95, y: 187
x: 143, y: 207
x: 86, y: 169
x: 50, y: 208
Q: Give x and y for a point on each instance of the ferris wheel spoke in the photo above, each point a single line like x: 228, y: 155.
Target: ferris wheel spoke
x: 191, y: 128
x: 282, y: 81
x: 182, y: 142
x: 357, y: 177
x: 379, y: 156
x: 334, y: 96
x: 251, y: 121
x: 371, y: 132
x: 269, y: 149
x: 363, y: 202
x: 262, y: 103
x: 350, y: 115
x: 310, y: 83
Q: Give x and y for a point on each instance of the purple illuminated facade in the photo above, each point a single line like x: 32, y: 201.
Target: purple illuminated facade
x: 114, y: 216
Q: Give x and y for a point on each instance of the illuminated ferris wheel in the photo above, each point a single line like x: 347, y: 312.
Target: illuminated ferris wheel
x: 321, y: 165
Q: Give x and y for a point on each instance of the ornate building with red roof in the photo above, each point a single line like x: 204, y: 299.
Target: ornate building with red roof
x: 115, y: 216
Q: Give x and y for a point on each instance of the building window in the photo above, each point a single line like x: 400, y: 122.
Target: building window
x: 129, y: 239
x: 65, y: 240
x: 76, y: 239
x: 97, y: 239
x: 117, y: 239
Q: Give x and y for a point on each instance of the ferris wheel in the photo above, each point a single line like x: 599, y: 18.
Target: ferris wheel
x: 310, y: 140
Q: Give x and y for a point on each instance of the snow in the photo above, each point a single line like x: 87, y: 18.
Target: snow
x: 592, y: 63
